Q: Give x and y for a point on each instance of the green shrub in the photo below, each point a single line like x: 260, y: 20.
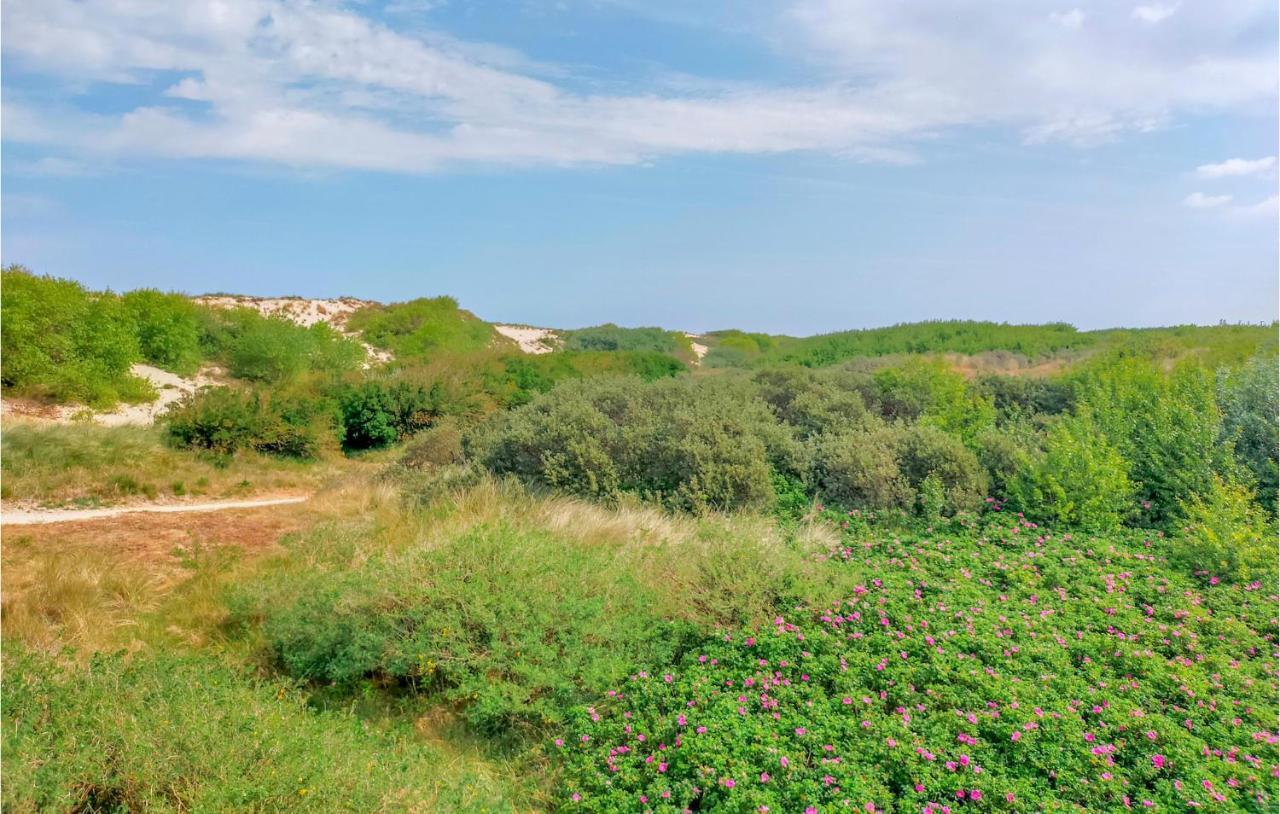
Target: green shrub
x: 859, y: 469
x: 1027, y: 395
x: 925, y: 452
x: 441, y: 445
x: 1249, y: 401
x: 688, y: 445
x: 1227, y: 535
x: 274, y: 350
x: 931, y: 392
x: 1165, y: 426
x: 64, y: 343
x: 168, y: 327
x: 170, y: 733
x: 223, y: 420
x: 378, y: 413
x: 610, y: 337
x: 423, y: 327
x: 814, y: 402
x: 1081, y: 480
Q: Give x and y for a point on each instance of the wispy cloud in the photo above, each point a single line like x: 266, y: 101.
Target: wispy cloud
x: 1198, y: 200
x: 1234, y: 167
x: 1155, y: 12
x: 320, y: 85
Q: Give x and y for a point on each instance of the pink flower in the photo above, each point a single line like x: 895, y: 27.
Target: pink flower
x: 1157, y: 761
x: 783, y: 760
x: 764, y: 777
x: 727, y: 782
x: 1016, y: 736
x: 975, y: 794
x: 800, y: 730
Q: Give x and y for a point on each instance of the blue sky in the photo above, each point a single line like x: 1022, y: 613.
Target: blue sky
x: 793, y: 166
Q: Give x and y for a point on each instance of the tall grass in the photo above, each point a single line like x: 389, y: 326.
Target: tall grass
x: 170, y: 733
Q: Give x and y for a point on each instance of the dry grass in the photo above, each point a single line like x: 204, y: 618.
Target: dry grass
x: 87, y: 465
x: 88, y: 585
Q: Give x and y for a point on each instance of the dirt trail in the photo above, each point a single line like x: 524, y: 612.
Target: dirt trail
x: 27, y: 517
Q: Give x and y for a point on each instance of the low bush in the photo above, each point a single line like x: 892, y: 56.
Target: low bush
x: 1227, y: 536
x: 1080, y: 481
x: 688, y: 445
x: 1249, y: 399
x: 610, y: 337
x: 1021, y: 671
x: 224, y: 420
x: 379, y: 413
x: 441, y: 445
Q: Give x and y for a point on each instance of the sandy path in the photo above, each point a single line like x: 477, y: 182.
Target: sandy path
x: 27, y: 517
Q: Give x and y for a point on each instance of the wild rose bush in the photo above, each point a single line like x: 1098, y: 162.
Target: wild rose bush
x: 995, y: 672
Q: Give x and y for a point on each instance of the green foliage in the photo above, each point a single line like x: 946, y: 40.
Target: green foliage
x: 1250, y: 405
x: 1227, y: 535
x: 273, y: 350
x: 168, y: 327
x: 1165, y: 426
x: 441, y: 445
x: 933, y: 393
x: 513, y: 627
x: 524, y: 376
x: 927, y: 453
x: 928, y: 337
x: 860, y: 469
x: 64, y: 343
x: 610, y: 337
x: 1081, y: 480
x: 689, y: 445
x: 982, y: 673
x: 814, y: 402
x: 171, y: 733
x: 379, y: 413
x: 734, y: 348
x: 224, y: 420
x: 1027, y: 395
x: 423, y: 327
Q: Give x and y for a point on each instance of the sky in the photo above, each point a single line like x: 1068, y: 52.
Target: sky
x: 790, y: 166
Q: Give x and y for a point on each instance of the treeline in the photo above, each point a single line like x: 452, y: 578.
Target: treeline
x: 1218, y: 344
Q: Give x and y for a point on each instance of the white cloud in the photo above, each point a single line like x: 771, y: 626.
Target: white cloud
x: 1155, y: 13
x: 1236, y: 167
x: 1072, y: 19
x: 1198, y: 200
x: 317, y: 84
x: 1008, y: 62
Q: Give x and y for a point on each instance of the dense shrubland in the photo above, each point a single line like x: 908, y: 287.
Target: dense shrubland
x: 1119, y: 442
x: 617, y: 584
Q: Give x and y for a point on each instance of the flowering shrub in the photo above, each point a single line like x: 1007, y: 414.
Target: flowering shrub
x: 1016, y: 671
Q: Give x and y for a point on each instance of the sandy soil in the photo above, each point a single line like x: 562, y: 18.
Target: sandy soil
x: 295, y: 309
x: 28, y: 517
x: 699, y: 349
x: 170, y: 387
x: 530, y: 340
